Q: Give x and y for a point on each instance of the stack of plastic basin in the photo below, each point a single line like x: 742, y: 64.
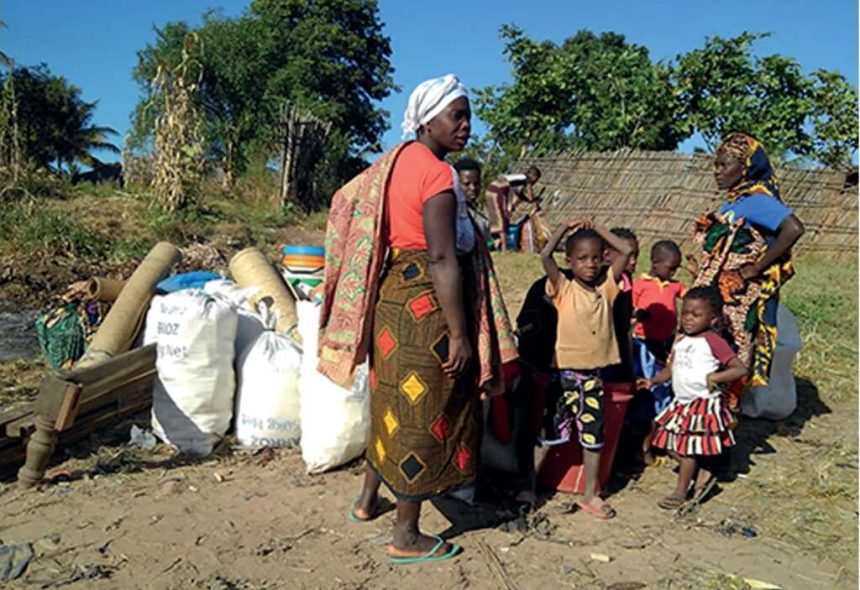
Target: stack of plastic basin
x: 303, y: 267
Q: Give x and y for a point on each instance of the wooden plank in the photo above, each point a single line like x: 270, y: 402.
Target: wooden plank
x: 96, y: 380
x: 69, y: 408
x: 17, y: 413
x: 135, y: 397
x: 22, y: 427
x: 6, y: 442
x: 93, y: 391
x: 125, y: 364
x: 115, y: 400
x: 52, y: 390
x: 134, y: 391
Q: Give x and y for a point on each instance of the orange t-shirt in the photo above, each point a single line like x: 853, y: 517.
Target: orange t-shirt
x: 659, y: 299
x: 418, y: 175
x: 586, y: 328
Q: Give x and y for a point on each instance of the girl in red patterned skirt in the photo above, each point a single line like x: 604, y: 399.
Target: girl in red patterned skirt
x: 695, y: 426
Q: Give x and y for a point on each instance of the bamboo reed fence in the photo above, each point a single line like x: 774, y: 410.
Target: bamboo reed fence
x: 660, y: 194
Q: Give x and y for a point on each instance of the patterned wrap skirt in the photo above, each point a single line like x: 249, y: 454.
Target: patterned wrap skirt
x: 425, y: 428
x: 700, y: 427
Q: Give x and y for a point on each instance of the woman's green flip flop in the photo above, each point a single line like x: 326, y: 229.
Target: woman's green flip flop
x: 353, y: 517
x: 430, y: 555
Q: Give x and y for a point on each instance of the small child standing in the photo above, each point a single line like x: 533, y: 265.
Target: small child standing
x: 622, y: 309
x: 694, y: 428
x: 655, y: 298
x: 620, y: 379
x: 585, y: 343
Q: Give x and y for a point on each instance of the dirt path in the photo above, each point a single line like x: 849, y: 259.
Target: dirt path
x: 244, y: 522
x: 140, y: 520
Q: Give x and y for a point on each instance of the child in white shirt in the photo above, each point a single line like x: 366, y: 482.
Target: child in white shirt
x: 695, y: 425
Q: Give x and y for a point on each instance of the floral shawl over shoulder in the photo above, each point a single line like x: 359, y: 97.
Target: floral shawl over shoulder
x: 355, y: 255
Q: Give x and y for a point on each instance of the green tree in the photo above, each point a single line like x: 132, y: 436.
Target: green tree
x: 55, y: 124
x: 595, y: 92
x: 724, y: 87
x: 834, y: 122
x: 598, y: 92
x: 81, y: 138
x: 329, y: 58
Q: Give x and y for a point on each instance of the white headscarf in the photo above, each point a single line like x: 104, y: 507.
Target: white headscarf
x: 429, y: 99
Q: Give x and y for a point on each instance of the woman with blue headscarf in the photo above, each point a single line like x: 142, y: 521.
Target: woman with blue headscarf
x: 746, y: 252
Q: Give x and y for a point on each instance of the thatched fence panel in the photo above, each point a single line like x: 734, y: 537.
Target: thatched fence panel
x: 660, y: 194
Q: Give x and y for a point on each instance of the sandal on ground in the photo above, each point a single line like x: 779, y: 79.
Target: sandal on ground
x: 603, y: 512
x: 699, y: 494
x: 430, y: 555
x: 374, y: 513
x: 671, y: 502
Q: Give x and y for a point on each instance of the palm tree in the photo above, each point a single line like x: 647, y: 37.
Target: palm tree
x: 82, y: 138
x: 5, y: 60
x: 56, y: 124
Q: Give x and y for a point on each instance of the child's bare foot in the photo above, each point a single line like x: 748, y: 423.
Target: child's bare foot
x: 648, y: 458
x: 598, y: 508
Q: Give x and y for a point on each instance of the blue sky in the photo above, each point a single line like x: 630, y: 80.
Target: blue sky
x: 93, y: 42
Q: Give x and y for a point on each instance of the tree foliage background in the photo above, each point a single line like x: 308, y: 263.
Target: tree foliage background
x: 330, y: 58
x: 599, y: 92
x: 55, y: 124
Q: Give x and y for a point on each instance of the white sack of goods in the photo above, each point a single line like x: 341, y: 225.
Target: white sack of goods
x: 250, y: 323
x: 335, y: 421
x: 777, y: 399
x: 192, y: 399
x: 267, y: 398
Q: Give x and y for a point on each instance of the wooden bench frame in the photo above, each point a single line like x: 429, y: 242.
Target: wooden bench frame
x: 73, y: 403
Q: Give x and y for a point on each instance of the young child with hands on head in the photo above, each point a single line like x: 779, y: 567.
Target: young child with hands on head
x: 585, y: 344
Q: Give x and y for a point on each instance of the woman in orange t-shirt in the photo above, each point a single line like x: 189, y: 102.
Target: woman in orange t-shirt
x: 425, y: 407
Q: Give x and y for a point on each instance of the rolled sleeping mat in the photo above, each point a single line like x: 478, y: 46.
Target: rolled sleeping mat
x: 250, y: 268
x: 120, y: 327
x: 104, y: 290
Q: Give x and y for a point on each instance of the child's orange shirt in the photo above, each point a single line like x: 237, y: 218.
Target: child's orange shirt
x: 586, y: 333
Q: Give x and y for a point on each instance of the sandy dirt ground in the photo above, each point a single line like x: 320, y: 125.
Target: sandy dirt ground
x: 121, y: 517
x: 114, y: 516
